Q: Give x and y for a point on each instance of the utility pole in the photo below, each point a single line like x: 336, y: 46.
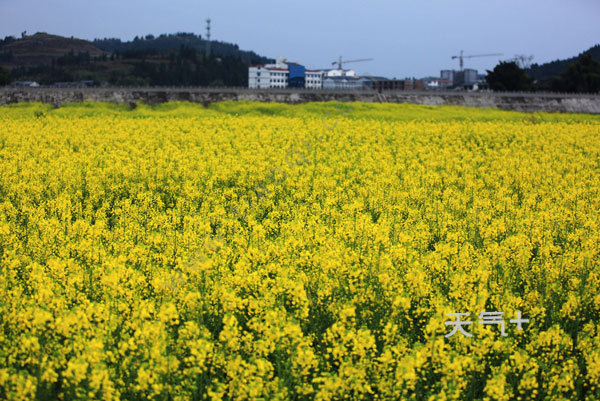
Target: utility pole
x: 207, y: 37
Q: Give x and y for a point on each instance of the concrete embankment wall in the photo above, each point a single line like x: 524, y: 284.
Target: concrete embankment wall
x: 531, y: 102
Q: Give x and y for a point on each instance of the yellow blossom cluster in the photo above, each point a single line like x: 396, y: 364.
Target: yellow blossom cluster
x: 247, y: 251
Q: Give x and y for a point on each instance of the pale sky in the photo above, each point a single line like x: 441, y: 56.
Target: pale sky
x: 405, y: 37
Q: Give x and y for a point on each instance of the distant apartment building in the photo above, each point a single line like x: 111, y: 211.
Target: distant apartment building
x: 451, y: 78
x: 471, y: 76
x: 447, y: 75
x: 466, y: 77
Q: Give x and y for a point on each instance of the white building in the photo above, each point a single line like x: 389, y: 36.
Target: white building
x: 314, y: 79
x: 340, y: 73
x: 259, y: 76
x: 279, y: 77
x: 264, y: 76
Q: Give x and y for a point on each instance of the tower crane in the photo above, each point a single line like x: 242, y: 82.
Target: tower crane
x: 461, y: 57
x: 340, y: 62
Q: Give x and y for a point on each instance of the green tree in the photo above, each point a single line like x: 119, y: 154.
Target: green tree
x: 580, y: 76
x: 5, y: 78
x: 508, y: 76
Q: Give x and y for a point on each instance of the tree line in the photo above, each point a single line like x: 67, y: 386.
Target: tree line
x: 580, y: 76
x: 186, y: 67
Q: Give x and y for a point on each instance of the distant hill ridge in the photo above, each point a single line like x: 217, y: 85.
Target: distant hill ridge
x: 167, y: 60
x: 555, y: 68
x: 168, y: 42
x: 42, y: 48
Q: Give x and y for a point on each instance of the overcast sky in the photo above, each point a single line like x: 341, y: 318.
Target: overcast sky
x: 405, y: 37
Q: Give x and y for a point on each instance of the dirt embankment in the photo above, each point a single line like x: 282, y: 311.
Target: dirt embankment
x: 530, y: 102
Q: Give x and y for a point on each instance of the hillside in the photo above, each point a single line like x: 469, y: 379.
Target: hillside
x: 42, y: 48
x: 555, y: 68
x: 168, y: 60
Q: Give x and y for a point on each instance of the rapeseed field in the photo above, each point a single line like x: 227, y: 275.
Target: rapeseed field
x: 326, y: 251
